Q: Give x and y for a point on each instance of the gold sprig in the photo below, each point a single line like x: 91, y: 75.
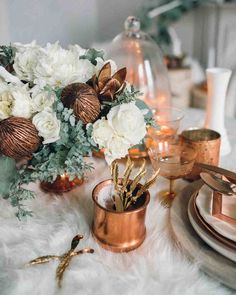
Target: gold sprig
x: 64, y: 258
x: 146, y: 186
x: 124, y: 190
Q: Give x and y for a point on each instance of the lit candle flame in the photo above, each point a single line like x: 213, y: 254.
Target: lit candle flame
x: 63, y: 176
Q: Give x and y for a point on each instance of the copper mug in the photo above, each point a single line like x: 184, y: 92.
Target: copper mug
x: 207, y: 144
x: 118, y: 231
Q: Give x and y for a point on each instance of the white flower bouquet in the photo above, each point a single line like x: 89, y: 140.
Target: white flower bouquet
x: 56, y: 106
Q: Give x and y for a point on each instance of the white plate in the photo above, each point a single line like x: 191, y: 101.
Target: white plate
x: 204, y: 205
x: 209, y: 239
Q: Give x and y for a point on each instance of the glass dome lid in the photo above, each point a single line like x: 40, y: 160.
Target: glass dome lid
x: 144, y: 61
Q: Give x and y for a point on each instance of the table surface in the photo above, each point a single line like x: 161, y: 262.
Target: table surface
x: 156, y: 267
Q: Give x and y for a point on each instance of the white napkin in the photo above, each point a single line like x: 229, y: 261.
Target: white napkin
x: 204, y: 205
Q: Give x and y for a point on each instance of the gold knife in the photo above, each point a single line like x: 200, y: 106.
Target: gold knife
x: 228, y: 174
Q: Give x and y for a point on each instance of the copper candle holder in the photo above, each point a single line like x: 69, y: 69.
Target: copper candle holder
x: 119, y: 231
x: 207, y: 144
x: 61, y: 184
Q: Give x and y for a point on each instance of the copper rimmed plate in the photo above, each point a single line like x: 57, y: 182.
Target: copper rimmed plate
x: 206, y: 227
x: 207, y: 236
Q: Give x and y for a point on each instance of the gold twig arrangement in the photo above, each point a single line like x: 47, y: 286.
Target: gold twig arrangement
x: 64, y: 258
x: 125, y: 190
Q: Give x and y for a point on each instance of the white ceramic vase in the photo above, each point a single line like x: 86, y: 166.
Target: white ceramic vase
x: 217, y: 83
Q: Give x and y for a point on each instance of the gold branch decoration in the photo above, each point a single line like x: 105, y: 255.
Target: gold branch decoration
x: 125, y: 191
x: 64, y: 258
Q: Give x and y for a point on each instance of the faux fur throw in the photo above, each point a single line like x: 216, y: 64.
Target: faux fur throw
x: 156, y: 267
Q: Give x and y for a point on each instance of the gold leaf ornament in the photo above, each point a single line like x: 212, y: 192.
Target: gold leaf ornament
x: 106, y: 85
x: 64, y: 259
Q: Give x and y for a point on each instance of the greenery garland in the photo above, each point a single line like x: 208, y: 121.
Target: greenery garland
x: 163, y: 21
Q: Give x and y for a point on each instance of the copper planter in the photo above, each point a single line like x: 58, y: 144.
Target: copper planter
x: 118, y: 231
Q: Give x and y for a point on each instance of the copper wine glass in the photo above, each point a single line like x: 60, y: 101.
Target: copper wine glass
x: 168, y: 120
x: 175, y: 160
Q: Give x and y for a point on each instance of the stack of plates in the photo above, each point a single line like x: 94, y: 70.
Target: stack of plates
x: 213, y: 252
x: 218, y: 234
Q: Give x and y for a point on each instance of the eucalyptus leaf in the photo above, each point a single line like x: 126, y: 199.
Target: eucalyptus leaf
x: 143, y: 107
x: 92, y: 54
x: 8, y: 172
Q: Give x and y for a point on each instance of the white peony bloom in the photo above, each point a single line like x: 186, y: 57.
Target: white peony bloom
x: 101, y: 63
x: 15, y: 101
x: 102, y: 132
x: 127, y: 120
x: 58, y: 67
x: 48, y: 125
x: 25, y: 60
x: 8, y: 77
x: 77, y: 49
x: 21, y: 46
x: 117, y: 148
x: 42, y: 99
x: 22, y: 103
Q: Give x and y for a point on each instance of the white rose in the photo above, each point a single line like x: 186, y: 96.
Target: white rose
x: 48, y: 126
x: 25, y: 60
x: 5, y: 101
x: 5, y: 93
x: 127, y: 120
x: 102, y: 132
x: 59, y: 67
x: 5, y: 109
x: 22, y: 103
x: 117, y: 148
x: 101, y: 63
x: 42, y: 99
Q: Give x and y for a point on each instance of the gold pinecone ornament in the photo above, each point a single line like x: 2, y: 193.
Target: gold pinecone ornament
x: 83, y: 100
x: 18, y: 138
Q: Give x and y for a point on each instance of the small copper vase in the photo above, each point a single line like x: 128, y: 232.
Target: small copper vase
x: 118, y: 231
x: 61, y: 185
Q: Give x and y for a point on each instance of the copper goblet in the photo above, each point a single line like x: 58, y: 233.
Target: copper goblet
x: 175, y: 160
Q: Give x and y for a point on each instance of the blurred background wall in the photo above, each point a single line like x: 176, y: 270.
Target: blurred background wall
x: 73, y: 21
x: 94, y: 21
x: 69, y: 21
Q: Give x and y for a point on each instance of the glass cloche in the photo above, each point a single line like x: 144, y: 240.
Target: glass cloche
x: 144, y: 61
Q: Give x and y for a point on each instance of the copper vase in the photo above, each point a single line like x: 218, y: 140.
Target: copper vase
x: 61, y: 185
x: 118, y: 231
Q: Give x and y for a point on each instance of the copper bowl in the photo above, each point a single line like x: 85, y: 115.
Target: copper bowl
x: 119, y: 231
